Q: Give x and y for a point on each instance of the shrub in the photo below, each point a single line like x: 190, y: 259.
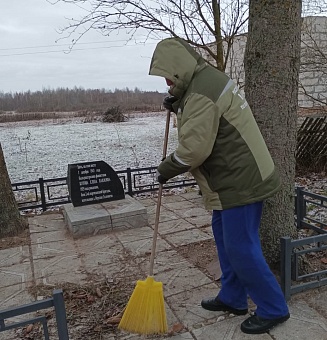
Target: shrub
x: 113, y: 115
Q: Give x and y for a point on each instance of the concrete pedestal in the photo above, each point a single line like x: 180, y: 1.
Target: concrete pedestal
x: 105, y: 217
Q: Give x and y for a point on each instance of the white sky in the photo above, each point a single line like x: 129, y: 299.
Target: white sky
x: 96, y: 62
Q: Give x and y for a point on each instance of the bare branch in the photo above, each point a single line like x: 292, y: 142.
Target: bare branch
x: 199, y: 22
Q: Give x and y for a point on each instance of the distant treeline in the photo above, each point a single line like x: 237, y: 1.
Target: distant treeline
x: 79, y: 99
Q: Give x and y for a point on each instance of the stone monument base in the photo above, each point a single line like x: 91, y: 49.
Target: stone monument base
x: 105, y: 217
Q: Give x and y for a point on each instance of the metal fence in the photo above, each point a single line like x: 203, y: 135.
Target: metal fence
x: 57, y: 301
x: 45, y: 193
x: 298, y: 272
x: 296, y: 275
x: 310, y: 211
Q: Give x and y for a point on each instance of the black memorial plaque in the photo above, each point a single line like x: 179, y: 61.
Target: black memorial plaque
x: 93, y: 182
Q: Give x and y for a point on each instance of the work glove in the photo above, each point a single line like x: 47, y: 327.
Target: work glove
x: 168, y: 103
x: 160, y: 178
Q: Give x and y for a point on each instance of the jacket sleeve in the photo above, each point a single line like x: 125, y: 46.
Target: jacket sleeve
x: 197, y: 135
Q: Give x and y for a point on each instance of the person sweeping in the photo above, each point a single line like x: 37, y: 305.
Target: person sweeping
x: 220, y: 143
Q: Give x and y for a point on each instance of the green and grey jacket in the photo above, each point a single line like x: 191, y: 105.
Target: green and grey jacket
x: 219, y: 141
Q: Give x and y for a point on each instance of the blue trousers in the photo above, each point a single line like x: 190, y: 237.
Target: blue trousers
x: 245, y: 271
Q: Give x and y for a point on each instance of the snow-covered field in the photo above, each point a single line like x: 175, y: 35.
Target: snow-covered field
x: 44, y: 148
x: 36, y: 149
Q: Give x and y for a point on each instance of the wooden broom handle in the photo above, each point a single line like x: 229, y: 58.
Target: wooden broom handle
x: 156, y: 222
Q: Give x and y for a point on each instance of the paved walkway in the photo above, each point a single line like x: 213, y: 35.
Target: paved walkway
x: 55, y: 257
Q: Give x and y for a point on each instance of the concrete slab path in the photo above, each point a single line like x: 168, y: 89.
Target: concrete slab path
x: 54, y: 257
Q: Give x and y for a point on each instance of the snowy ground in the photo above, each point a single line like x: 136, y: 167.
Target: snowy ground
x: 45, y: 148
x: 36, y: 149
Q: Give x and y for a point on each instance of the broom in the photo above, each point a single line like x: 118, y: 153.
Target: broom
x: 145, y: 311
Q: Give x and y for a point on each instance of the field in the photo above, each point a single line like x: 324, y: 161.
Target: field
x: 44, y: 148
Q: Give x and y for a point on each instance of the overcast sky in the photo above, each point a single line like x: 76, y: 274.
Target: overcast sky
x: 32, y: 57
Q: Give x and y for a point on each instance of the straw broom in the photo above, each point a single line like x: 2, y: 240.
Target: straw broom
x: 145, y: 311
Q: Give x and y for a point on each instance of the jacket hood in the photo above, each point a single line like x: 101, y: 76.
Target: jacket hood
x: 177, y: 61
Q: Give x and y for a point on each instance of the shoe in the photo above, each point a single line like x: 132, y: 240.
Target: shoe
x: 214, y: 304
x: 256, y: 325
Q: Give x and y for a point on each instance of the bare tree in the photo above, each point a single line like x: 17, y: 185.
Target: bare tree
x: 206, y: 25
x: 76, y: 99
x: 11, y: 222
x: 272, y: 62
x: 313, y: 71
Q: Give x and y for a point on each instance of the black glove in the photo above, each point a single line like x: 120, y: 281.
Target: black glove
x: 160, y: 178
x: 168, y: 103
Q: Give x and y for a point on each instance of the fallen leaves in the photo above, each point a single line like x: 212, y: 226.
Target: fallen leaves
x: 98, y: 292
x: 92, y: 309
x: 177, y: 327
x: 29, y: 329
x: 114, y: 320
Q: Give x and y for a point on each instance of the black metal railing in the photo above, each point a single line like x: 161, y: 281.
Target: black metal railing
x: 296, y: 275
x: 310, y: 211
x: 56, y: 301
x: 42, y: 193
x: 45, y: 193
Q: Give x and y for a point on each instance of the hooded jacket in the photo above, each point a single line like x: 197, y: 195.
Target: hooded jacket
x: 219, y: 141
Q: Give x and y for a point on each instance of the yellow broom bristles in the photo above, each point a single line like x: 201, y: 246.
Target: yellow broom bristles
x: 145, y: 312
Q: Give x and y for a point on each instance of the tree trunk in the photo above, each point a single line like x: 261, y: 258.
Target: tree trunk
x: 218, y: 37
x: 11, y: 222
x: 272, y: 61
